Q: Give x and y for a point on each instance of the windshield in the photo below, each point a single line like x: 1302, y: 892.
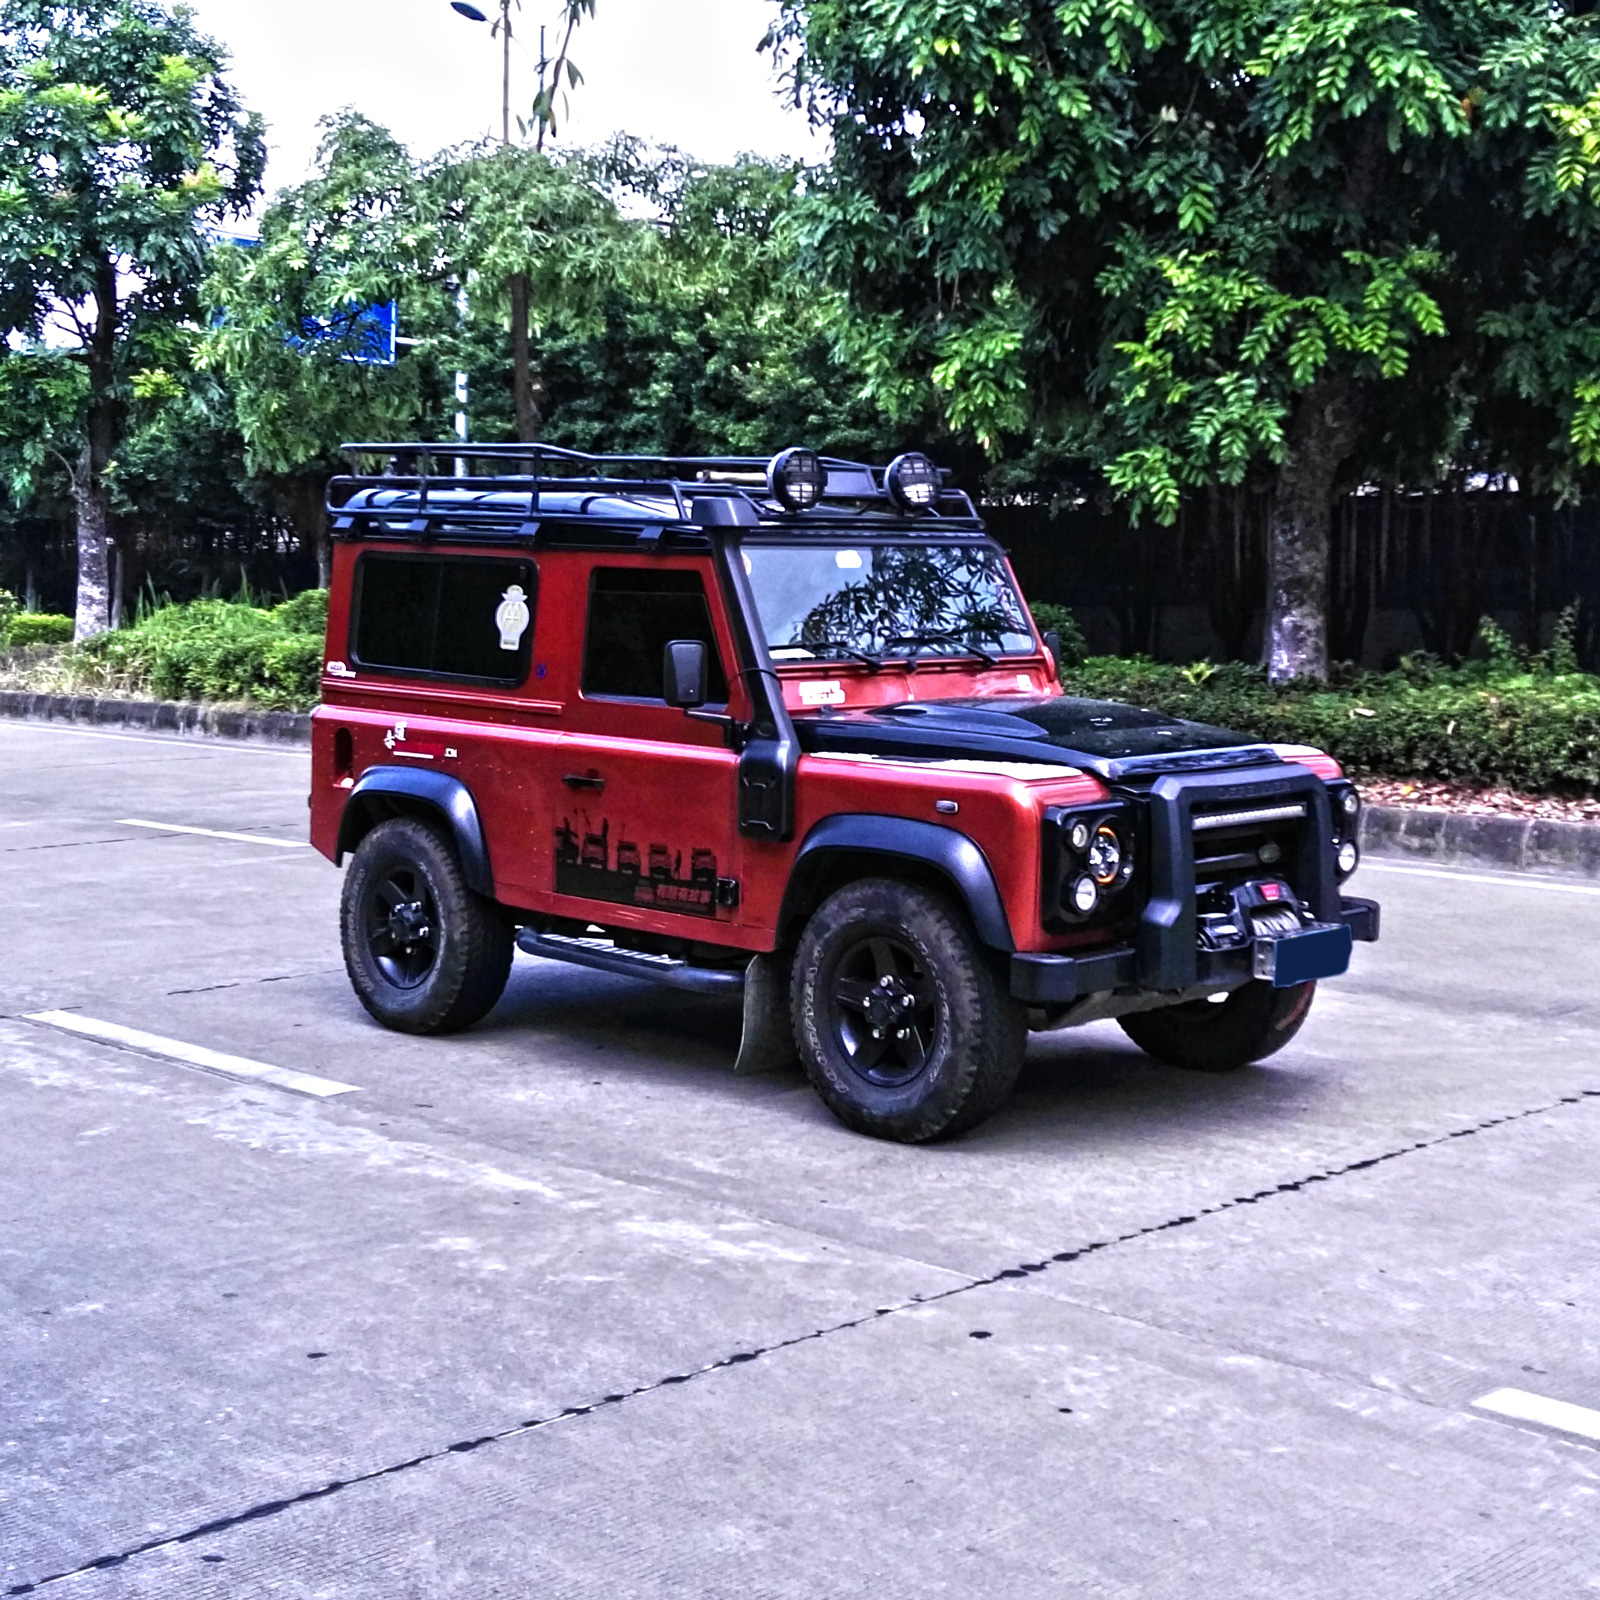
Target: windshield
x: 838, y: 602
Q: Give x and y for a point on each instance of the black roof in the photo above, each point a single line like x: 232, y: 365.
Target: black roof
x: 526, y: 493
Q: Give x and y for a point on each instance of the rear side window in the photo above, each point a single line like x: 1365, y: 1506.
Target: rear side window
x: 634, y: 614
x: 448, y: 618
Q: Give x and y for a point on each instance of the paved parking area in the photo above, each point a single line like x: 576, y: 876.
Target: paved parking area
x: 563, y: 1308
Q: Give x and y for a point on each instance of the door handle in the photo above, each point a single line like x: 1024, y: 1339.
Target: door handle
x: 584, y: 780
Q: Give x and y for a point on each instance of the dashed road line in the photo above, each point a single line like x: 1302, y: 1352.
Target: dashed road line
x: 1522, y: 881
x: 1518, y: 1405
x: 199, y: 743
x: 213, y: 833
x: 239, y: 1068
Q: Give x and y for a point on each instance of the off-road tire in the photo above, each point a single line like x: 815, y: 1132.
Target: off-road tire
x: 971, y: 1036
x: 470, y: 937
x: 1254, y: 1022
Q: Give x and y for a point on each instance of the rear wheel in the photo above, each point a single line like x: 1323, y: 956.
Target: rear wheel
x: 906, y: 1031
x: 424, y: 953
x: 1219, y: 1035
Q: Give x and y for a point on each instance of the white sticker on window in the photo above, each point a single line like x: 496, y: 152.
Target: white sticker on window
x: 512, y: 617
x: 830, y: 693
x: 850, y: 560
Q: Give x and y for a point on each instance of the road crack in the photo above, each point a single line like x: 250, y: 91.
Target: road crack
x: 274, y: 1508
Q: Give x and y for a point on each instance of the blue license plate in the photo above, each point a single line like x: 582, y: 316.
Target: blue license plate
x: 1304, y: 957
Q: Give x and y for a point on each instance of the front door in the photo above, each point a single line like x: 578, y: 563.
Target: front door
x: 646, y: 830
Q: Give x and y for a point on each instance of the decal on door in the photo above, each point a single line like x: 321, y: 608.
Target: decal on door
x: 634, y: 875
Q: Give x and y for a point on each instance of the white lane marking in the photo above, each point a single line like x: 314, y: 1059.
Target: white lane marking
x: 192, y: 1055
x: 1521, y: 1406
x: 1450, y: 876
x: 200, y: 743
x: 214, y: 833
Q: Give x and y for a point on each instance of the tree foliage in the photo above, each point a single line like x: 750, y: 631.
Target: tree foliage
x: 1192, y: 240
x: 124, y: 146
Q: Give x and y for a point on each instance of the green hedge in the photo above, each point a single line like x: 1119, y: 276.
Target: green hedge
x: 220, y: 650
x: 37, y: 627
x: 1518, y: 724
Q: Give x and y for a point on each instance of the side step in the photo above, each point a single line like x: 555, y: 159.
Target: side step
x: 603, y: 956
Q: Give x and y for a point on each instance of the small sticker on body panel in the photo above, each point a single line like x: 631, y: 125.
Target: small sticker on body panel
x: 512, y: 617
x: 829, y: 693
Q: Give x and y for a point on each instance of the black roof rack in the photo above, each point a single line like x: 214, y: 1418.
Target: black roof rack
x: 493, y: 492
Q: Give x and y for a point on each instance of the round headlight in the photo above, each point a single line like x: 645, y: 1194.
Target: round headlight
x: 1085, y: 896
x: 1348, y: 858
x: 1351, y: 803
x: 1270, y: 852
x: 796, y: 479
x: 1105, y: 855
x: 912, y: 481
x: 1079, y: 837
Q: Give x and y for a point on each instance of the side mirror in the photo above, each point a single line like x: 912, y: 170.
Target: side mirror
x: 1052, y: 643
x: 685, y: 670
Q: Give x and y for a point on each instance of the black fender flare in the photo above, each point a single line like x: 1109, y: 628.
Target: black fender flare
x: 386, y: 791
x: 948, y: 853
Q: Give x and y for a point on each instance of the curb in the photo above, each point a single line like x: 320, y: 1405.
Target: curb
x: 1456, y: 839
x: 1405, y: 833
x: 184, y: 718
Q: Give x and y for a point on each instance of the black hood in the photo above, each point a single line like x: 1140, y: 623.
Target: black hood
x: 1105, y: 737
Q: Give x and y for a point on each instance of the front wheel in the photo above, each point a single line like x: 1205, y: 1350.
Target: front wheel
x: 1222, y: 1033
x: 906, y: 1030
x: 424, y: 953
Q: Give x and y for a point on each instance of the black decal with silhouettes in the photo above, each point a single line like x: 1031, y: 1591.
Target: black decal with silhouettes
x: 587, y: 866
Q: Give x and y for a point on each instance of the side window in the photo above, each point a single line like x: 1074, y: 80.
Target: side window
x: 634, y: 614
x: 448, y: 618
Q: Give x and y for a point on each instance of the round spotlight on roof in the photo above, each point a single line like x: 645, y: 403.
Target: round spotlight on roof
x: 913, y: 482
x: 796, y: 479
x: 470, y: 12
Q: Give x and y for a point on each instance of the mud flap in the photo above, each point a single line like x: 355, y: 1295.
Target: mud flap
x: 768, y: 1042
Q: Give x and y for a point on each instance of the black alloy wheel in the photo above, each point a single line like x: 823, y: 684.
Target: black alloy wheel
x: 902, y: 1017
x: 424, y: 952
x: 885, y: 1011
x: 402, y: 922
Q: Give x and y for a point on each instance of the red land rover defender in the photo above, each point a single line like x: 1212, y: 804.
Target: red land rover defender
x: 787, y: 729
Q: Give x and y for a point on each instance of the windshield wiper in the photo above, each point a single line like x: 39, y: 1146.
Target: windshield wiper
x: 874, y: 663
x: 918, y: 640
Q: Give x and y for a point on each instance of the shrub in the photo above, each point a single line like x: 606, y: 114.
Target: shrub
x: 1061, y: 620
x: 38, y: 627
x: 220, y: 650
x: 8, y: 609
x: 1507, y: 721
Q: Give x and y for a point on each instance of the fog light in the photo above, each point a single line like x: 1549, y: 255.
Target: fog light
x: 796, y: 479
x: 1079, y: 837
x: 1085, y: 896
x: 1347, y: 858
x: 1105, y: 855
x: 913, y: 482
x: 1269, y: 852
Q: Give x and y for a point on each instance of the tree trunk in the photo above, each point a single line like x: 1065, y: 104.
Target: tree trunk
x: 90, y: 492
x: 1322, y: 432
x: 525, y: 385
x: 302, y: 499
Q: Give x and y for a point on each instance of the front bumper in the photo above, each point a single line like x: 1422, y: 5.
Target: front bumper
x: 1051, y: 980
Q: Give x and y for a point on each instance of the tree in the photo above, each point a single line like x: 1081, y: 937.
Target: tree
x: 123, y: 143
x: 1193, y: 240
x: 283, y: 335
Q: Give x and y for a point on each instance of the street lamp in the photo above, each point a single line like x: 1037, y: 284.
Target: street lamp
x: 464, y: 8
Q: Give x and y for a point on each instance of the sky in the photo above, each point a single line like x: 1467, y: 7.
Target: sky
x: 679, y: 72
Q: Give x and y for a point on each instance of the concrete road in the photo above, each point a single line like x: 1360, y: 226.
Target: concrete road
x: 562, y: 1308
